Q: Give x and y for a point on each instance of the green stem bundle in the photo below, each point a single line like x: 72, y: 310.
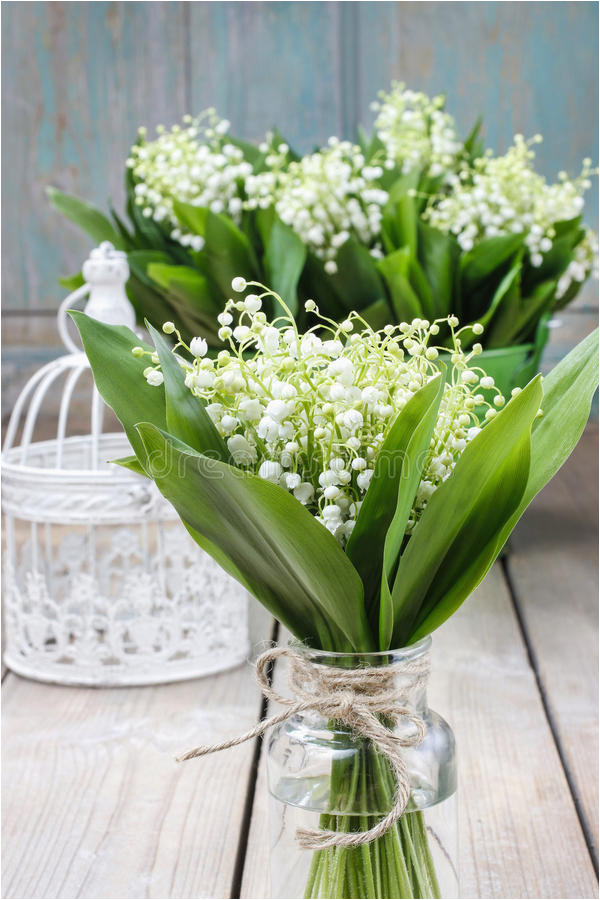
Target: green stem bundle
x: 398, y: 864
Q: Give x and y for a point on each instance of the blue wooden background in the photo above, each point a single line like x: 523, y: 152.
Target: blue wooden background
x: 78, y: 78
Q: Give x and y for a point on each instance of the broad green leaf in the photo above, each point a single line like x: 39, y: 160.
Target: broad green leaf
x: 294, y: 565
x: 438, y: 255
x: 421, y: 288
x: 567, y: 396
x: 485, y: 258
x: 148, y: 233
x: 118, y: 376
x: 395, y: 268
x: 284, y: 259
x: 186, y: 416
x: 129, y: 242
x: 357, y: 280
x: 140, y: 260
x: 91, y: 220
x: 466, y: 512
x: 189, y: 286
x: 416, y: 456
x: 377, y: 314
x: 228, y: 252
x: 193, y: 218
x: 395, y: 469
x: 523, y: 323
x: 400, y: 216
x: 566, y: 400
x: 502, y: 311
x: 146, y: 301
x: 315, y: 282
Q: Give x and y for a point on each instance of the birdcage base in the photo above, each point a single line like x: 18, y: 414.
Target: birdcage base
x: 50, y: 673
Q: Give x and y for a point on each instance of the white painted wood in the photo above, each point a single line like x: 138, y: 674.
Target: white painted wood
x: 554, y: 567
x: 94, y: 804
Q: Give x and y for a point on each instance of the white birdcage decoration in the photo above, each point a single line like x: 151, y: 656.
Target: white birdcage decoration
x: 102, y: 584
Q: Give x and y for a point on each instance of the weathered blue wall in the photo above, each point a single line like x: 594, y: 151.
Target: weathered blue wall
x: 78, y: 78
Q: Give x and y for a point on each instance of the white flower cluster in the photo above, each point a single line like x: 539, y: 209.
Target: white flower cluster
x: 583, y: 264
x: 311, y: 411
x: 326, y: 198
x: 503, y: 195
x: 195, y: 164
x: 415, y: 131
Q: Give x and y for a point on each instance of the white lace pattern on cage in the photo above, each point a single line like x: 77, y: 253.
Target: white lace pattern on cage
x: 102, y: 584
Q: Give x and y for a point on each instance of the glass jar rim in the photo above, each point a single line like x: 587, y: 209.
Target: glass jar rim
x: 412, y: 651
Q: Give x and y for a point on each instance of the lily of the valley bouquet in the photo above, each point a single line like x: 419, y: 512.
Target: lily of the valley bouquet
x: 413, y: 221
x: 360, y: 489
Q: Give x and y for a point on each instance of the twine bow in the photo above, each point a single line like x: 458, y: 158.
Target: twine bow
x: 355, y: 697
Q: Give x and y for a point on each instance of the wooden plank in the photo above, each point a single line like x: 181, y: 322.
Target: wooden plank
x: 94, y: 804
x: 554, y: 570
x: 79, y: 78
x: 514, y: 801
x: 286, y: 59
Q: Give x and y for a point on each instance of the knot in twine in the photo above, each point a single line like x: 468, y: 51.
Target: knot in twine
x: 356, y: 697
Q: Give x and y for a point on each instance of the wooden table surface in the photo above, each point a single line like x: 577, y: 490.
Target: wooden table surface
x: 95, y: 806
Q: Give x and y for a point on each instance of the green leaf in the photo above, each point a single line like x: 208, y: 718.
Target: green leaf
x: 189, y: 286
x: 357, y: 280
x: 377, y: 314
x: 284, y: 259
x: 315, y: 282
x: 193, y: 218
x: 503, y: 308
x: 72, y: 282
x: 395, y: 268
x: 396, y: 475
x: 148, y: 233
x: 464, y: 515
x: 485, y: 258
x: 516, y: 328
x: 186, y: 416
x: 567, y: 396
x: 473, y: 143
x: 421, y: 288
x: 291, y: 563
x: 227, y: 252
x: 438, y: 255
x: 132, y: 463
x: 119, y: 376
x: 251, y: 152
x: 140, y: 260
x: 400, y: 215
x: 89, y: 219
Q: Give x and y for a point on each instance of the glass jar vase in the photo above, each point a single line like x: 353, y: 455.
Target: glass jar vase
x: 321, y: 775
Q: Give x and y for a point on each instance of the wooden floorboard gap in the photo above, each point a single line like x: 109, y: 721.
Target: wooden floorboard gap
x: 531, y: 655
x: 240, y: 861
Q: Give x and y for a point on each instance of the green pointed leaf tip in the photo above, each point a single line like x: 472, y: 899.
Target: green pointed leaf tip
x: 87, y: 217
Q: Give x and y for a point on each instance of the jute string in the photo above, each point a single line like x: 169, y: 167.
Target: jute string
x: 356, y: 697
